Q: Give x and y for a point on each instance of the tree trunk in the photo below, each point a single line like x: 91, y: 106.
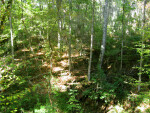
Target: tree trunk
x: 59, y: 30
x: 11, y: 33
x: 91, y: 48
x: 104, y: 33
x: 141, y: 59
x: 59, y: 21
x: 70, y: 7
x: 100, y: 9
x: 122, y: 42
x: 51, y: 58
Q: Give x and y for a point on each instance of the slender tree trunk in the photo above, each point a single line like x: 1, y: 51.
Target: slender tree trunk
x: 104, y: 33
x: 59, y: 21
x: 11, y: 33
x: 122, y: 42
x: 141, y: 59
x: 91, y: 47
x: 79, y: 42
x: 100, y: 9
x: 22, y: 16
x: 23, y: 40
x: 70, y: 7
x: 59, y: 30
x: 53, y: 3
x: 51, y: 59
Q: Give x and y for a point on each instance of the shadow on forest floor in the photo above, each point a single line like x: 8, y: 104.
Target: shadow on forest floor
x: 64, y: 93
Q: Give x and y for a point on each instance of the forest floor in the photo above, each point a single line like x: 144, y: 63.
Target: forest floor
x: 60, y: 79
x: 60, y: 68
x: 60, y: 75
x: 62, y: 87
x: 63, y: 82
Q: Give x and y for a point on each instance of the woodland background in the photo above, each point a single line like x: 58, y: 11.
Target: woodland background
x: 74, y: 56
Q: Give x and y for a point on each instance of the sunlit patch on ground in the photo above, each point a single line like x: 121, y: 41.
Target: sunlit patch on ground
x: 64, y: 63
x: 65, y: 55
x: 64, y: 73
x: 57, y: 69
x: 18, y: 60
x: 45, y: 64
x: 25, y: 50
x: 116, y: 109
x: 62, y: 88
x: 39, y: 53
x: 41, y: 110
x: 63, y: 79
x: 143, y: 107
x: 76, y: 55
x: 31, y: 55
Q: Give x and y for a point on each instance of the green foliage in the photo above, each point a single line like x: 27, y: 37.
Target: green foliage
x: 138, y: 101
x: 112, y: 48
x: 25, y: 100
x: 60, y: 100
x: 35, y: 26
x: 74, y: 104
x: 107, y: 90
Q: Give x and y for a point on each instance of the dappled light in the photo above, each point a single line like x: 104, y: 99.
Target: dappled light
x: 45, y: 64
x: 39, y: 53
x: 143, y: 107
x: 74, y: 56
x: 65, y: 55
x: 25, y: 50
x: 64, y: 63
x: 57, y: 69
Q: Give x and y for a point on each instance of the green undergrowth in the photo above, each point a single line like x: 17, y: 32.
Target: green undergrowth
x: 26, y: 89
x: 91, y: 97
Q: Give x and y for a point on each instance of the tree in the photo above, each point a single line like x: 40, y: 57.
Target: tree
x: 142, y: 46
x: 11, y: 32
x: 91, y: 46
x: 113, y: 33
x: 104, y: 33
x: 122, y: 42
x: 59, y: 21
x: 70, y: 10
